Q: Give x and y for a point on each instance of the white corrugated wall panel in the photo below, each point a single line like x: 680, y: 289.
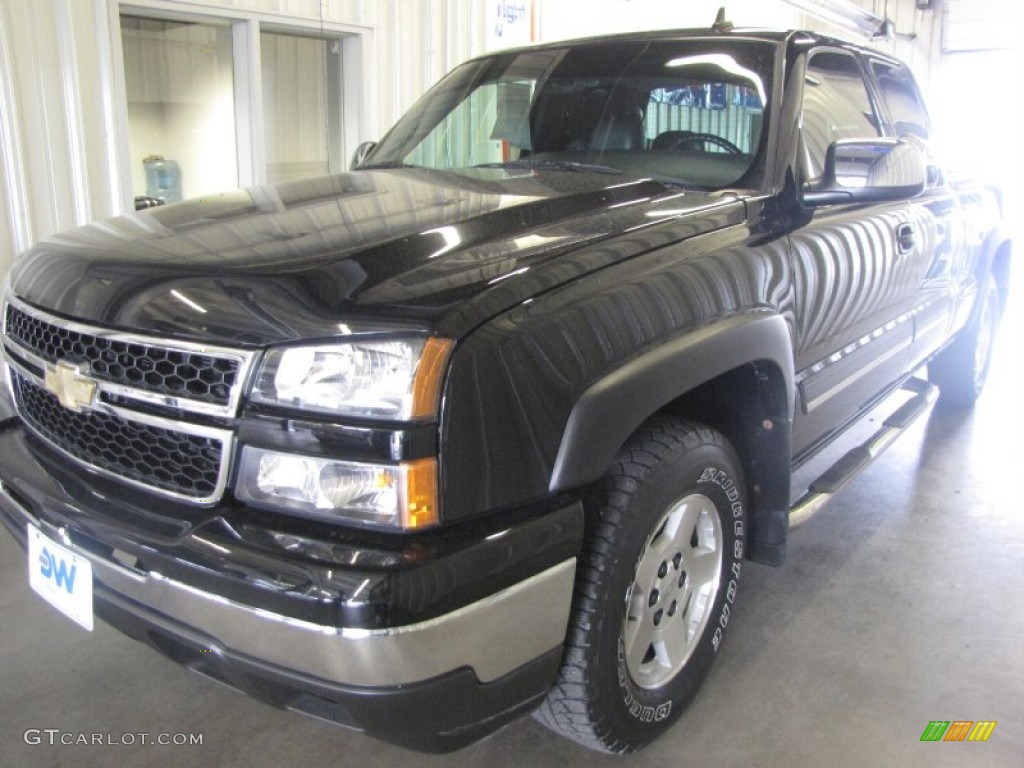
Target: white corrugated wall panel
x: 63, y: 129
x: 980, y: 25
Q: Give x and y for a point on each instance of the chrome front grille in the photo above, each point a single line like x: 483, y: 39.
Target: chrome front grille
x: 147, y: 365
x: 156, y: 413
x: 160, y: 458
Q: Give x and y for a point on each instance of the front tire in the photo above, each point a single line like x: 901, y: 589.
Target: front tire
x: 655, y: 587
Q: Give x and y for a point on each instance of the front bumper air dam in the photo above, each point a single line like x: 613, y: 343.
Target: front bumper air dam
x: 435, y: 685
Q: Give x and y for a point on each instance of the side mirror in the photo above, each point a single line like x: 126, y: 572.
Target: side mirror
x: 868, y: 171
x: 360, y: 154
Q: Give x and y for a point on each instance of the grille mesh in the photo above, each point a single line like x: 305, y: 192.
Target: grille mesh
x: 166, y: 459
x: 156, y: 369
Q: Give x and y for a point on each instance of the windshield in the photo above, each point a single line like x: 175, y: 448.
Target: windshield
x: 689, y: 111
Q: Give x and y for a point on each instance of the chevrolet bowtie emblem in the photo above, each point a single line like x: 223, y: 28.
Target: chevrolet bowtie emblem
x: 66, y: 381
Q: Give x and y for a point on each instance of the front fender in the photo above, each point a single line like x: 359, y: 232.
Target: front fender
x: 612, y: 408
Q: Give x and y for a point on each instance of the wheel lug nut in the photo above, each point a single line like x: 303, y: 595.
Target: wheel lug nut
x: 657, y: 617
x: 653, y: 598
x: 677, y: 560
x: 662, y: 570
x: 682, y: 579
x: 672, y: 609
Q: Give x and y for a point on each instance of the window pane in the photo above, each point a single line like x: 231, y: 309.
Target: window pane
x: 836, y: 106
x: 301, y: 98
x: 705, y: 115
x: 677, y: 110
x: 901, y: 97
x: 478, y: 130
x: 181, y: 107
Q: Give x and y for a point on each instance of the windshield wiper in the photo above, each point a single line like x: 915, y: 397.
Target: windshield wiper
x: 556, y: 165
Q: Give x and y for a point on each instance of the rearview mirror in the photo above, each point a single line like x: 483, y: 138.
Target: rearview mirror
x: 868, y: 171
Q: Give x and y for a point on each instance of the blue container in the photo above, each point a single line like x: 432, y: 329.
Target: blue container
x: 163, y: 178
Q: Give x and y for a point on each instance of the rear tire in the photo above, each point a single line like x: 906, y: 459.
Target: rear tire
x: 655, y: 587
x: 961, y: 370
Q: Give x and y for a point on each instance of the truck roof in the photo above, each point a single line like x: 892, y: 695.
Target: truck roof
x: 698, y: 33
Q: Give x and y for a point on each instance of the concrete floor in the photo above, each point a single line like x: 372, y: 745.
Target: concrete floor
x: 901, y: 603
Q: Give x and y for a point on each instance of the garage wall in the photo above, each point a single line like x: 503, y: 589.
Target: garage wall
x: 916, y: 39
x: 562, y: 20
x: 54, y: 141
x: 915, y: 43
x: 63, y: 123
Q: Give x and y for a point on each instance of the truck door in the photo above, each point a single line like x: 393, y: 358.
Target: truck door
x: 855, y: 277
x: 938, y: 253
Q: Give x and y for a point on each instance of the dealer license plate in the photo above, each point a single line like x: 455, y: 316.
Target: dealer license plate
x: 61, y: 577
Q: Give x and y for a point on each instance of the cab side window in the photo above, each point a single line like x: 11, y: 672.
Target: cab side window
x: 902, y: 99
x: 836, y: 106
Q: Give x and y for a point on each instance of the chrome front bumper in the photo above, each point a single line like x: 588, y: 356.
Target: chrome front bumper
x: 492, y: 636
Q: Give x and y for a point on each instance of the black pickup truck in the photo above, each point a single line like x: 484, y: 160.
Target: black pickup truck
x: 491, y: 424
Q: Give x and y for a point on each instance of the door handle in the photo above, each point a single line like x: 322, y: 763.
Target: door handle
x: 905, y: 238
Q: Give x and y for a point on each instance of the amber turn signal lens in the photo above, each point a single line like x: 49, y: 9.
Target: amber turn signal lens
x: 420, y: 503
x: 429, y: 377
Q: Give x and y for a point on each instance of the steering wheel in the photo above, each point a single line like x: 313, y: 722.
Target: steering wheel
x: 697, y: 138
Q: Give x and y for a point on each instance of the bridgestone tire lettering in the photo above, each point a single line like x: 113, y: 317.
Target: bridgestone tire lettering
x: 672, y: 474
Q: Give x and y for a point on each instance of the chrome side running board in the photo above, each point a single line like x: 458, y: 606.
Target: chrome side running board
x: 857, y: 459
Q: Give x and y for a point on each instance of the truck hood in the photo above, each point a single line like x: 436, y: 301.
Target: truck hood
x: 373, y: 250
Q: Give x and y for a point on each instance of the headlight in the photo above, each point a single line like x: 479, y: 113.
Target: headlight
x: 397, y: 496
x: 395, y: 379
